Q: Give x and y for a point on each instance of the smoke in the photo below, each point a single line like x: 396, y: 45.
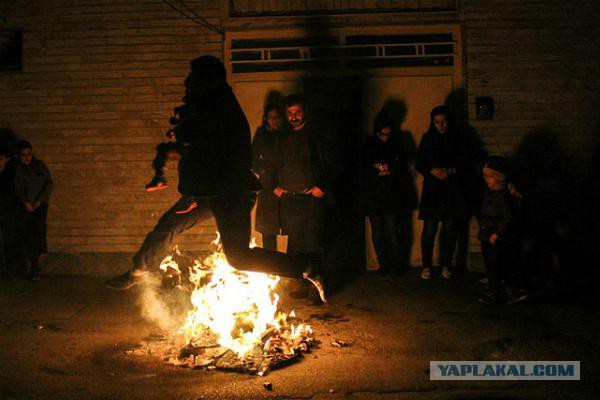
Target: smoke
x: 166, y: 309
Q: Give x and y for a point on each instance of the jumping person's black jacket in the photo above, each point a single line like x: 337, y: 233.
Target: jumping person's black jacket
x: 218, y: 159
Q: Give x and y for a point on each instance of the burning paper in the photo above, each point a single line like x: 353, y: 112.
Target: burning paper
x: 235, y: 322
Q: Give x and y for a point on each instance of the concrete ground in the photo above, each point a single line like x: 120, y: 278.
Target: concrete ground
x: 66, y: 337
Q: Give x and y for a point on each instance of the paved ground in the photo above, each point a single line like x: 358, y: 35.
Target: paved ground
x: 65, y: 337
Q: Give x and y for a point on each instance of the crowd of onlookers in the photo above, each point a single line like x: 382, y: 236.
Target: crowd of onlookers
x: 456, y: 187
x: 25, y: 189
x: 452, y: 192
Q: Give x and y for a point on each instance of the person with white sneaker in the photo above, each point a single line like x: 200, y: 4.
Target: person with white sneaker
x: 442, y: 197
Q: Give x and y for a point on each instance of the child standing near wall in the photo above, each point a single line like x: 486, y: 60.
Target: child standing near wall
x: 498, y: 233
x: 33, y: 184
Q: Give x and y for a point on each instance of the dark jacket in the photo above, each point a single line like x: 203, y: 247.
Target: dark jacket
x: 264, y: 160
x: 33, y: 182
x: 383, y: 194
x: 324, y: 163
x: 440, y: 199
x: 305, y: 213
x: 218, y: 159
x: 500, y: 214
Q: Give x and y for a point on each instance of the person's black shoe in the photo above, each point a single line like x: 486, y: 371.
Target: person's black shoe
x: 124, y: 281
x: 157, y: 183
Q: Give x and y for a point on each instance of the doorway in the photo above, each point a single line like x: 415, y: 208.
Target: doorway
x: 347, y: 76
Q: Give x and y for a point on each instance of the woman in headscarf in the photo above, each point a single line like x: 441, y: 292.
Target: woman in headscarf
x: 442, y: 197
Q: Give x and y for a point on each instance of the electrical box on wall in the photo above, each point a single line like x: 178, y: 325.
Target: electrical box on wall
x: 484, y: 108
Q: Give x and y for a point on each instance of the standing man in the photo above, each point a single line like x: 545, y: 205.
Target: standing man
x: 215, y: 172
x: 305, y: 172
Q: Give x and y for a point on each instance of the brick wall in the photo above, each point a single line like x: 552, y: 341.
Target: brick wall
x: 540, y: 61
x: 101, y: 76
x: 99, y: 80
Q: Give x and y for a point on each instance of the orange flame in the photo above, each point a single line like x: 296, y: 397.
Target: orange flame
x: 240, y: 308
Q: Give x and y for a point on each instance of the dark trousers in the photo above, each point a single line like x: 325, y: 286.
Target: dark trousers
x: 501, y: 262
x: 232, y: 214
x: 448, y: 237
x: 302, y: 220
x: 34, y: 228
x: 462, y: 244
x: 385, y: 236
x: 163, y: 152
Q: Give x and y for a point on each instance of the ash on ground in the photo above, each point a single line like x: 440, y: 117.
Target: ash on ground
x: 276, y: 349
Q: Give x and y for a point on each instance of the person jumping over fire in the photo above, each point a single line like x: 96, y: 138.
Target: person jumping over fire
x: 215, y: 171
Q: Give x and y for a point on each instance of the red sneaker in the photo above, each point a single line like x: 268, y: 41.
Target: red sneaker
x: 157, y: 183
x: 191, y: 205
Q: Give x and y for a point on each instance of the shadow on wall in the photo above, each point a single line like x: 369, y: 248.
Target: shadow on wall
x: 545, y: 175
x: 474, y: 154
x: 8, y: 138
x: 274, y: 97
x: 397, y: 110
x: 558, y: 211
x: 475, y: 151
x: 335, y: 107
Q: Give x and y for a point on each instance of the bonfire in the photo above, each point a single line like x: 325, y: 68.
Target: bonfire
x: 235, y: 322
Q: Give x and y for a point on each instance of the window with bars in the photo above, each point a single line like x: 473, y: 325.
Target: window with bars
x: 342, y: 52
x: 251, y: 8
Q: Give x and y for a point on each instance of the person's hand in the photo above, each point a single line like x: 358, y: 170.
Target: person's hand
x: 439, y: 173
x: 315, y: 191
x: 382, y: 168
x: 279, y: 191
x: 512, y: 189
x: 29, y: 207
x: 493, y: 239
